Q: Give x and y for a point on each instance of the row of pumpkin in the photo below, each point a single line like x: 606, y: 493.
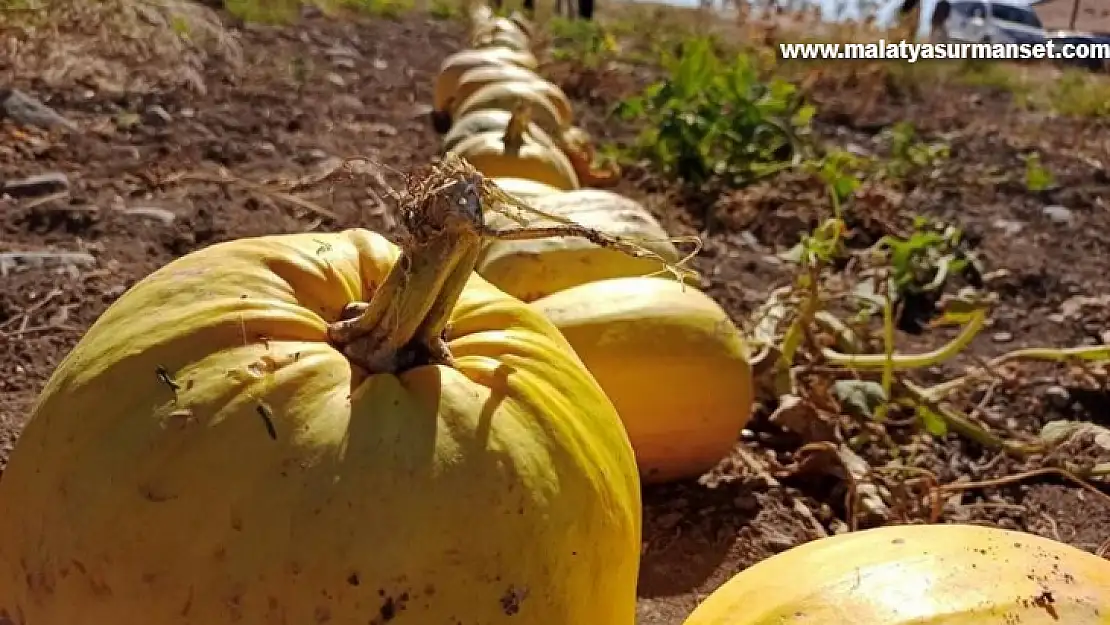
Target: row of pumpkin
x: 271, y: 430
x: 677, y: 370
x: 628, y: 319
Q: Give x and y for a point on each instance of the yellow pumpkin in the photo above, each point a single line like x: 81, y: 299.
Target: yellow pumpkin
x: 479, y: 77
x: 523, y: 188
x: 501, y: 39
x: 490, y: 120
x: 541, y: 97
x: 531, y: 269
x: 454, y: 66
x: 919, y: 575
x: 490, y: 155
x: 674, y: 364
x: 501, y: 31
x: 575, y: 143
x: 523, y: 23
x: 208, y: 453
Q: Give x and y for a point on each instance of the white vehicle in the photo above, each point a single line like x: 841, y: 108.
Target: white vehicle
x: 987, y: 21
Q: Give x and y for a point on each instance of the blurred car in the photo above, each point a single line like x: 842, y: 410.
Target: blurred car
x: 987, y: 21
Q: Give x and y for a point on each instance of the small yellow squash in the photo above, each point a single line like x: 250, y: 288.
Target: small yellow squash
x: 574, y: 142
x: 501, y: 39
x: 501, y: 31
x: 491, y: 120
x: 531, y: 269
x: 454, y: 66
x: 474, y: 79
x: 524, y: 24
x: 672, y: 361
x: 918, y: 575
x: 242, y: 439
x: 550, y: 109
x: 490, y: 154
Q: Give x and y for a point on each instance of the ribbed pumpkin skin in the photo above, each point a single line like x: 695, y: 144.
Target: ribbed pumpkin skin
x: 474, y: 79
x: 918, y: 575
x: 505, y: 96
x: 489, y: 120
x: 454, y: 66
x: 499, y: 491
x: 501, y: 32
x: 671, y: 360
x: 531, y: 269
x: 486, y: 152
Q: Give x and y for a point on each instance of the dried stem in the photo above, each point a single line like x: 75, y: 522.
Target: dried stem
x: 405, y: 319
x: 404, y: 323
x: 517, y: 126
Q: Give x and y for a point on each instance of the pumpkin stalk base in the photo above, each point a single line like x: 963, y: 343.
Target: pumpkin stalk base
x: 405, y: 323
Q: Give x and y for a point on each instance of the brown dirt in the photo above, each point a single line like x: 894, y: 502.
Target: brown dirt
x: 300, y: 104
x: 1093, y: 15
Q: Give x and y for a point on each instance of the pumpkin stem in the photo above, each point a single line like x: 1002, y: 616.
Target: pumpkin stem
x: 518, y: 124
x: 405, y: 321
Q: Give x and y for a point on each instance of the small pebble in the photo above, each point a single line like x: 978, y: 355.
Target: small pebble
x: 155, y: 115
x: 1058, y: 214
x: 1008, y: 226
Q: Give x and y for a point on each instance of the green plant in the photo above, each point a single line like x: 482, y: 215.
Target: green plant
x: 1037, y: 177
x: 841, y: 172
x: 925, y: 259
x: 180, y: 26
x: 909, y: 155
x: 715, y: 120
x: 274, y: 12
x: 1078, y: 93
x: 390, y: 9
x: 444, y: 9
x: 586, y: 43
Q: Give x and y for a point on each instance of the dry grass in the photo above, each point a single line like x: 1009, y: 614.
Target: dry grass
x: 133, y: 46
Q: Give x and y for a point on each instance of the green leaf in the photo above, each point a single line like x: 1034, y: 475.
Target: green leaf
x: 860, y: 398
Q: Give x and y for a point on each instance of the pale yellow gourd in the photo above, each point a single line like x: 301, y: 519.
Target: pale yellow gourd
x: 454, y: 66
x: 672, y: 362
x: 501, y: 31
x: 523, y: 23
x: 490, y: 155
x: 540, y: 97
x: 575, y: 143
x: 502, y: 39
x: 474, y: 79
x: 241, y: 439
x: 531, y: 269
x: 918, y: 575
x: 491, y: 120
